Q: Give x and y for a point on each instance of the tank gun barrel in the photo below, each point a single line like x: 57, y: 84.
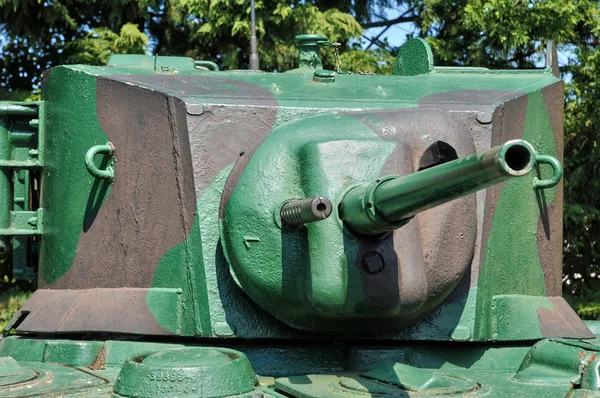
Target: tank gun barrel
x: 390, y: 202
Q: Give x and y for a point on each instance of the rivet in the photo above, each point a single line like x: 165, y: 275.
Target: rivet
x: 460, y: 333
x: 195, y: 109
x: 484, y: 117
x: 373, y: 263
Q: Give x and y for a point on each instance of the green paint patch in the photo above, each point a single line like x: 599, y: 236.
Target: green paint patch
x: 73, y: 128
x: 181, y: 268
x: 72, y: 353
x: 297, y: 90
x: 511, y: 310
x: 290, y: 273
x: 514, y: 227
x: 166, y: 307
x: 22, y: 348
x: 209, y: 227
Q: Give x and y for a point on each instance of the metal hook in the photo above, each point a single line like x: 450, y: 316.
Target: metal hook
x: 109, y: 172
x: 556, y: 176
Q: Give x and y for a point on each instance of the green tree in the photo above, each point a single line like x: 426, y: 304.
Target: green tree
x: 99, y: 44
x: 40, y: 34
x: 582, y: 169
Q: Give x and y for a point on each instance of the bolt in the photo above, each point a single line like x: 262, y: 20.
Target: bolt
x: 195, y: 109
x: 373, y: 263
x: 484, y: 117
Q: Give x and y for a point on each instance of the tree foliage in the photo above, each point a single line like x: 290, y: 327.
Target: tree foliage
x: 491, y: 33
x: 11, y: 299
x: 582, y: 167
x: 38, y: 34
x: 100, y: 43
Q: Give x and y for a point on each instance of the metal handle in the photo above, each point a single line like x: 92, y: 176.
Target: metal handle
x: 556, y: 167
x: 109, y: 172
x: 207, y: 65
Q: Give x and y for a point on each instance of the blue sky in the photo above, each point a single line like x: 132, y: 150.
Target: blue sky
x: 396, y: 34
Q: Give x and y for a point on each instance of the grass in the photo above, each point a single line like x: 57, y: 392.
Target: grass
x: 10, y: 301
x: 588, y: 311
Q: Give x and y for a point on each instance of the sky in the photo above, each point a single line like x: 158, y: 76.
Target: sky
x: 396, y: 34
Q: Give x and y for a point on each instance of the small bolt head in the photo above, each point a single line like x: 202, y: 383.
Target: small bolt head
x: 484, y: 117
x: 373, y: 263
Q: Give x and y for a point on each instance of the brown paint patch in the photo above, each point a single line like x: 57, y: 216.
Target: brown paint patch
x: 240, y: 131
x: 382, y: 290
x: 100, y: 360
x: 241, y: 116
x: 550, y: 231
x: 405, y: 276
x: 425, y: 274
x: 93, y: 310
x: 151, y: 206
x: 562, y: 321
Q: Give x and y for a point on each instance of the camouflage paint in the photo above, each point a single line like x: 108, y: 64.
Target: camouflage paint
x: 70, y: 112
x: 515, y: 226
x: 152, y: 203
x: 290, y: 154
x: 219, y: 116
x: 64, y: 311
x: 182, y: 268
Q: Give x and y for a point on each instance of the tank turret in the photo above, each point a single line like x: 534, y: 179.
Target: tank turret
x: 338, y: 234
